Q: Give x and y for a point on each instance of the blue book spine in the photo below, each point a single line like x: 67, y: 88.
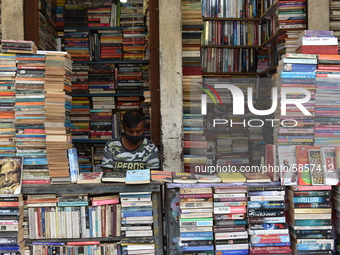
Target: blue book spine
x: 310, y: 199
x: 196, y: 234
x: 198, y: 248
x: 43, y: 221
x: 299, y: 67
x: 269, y: 244
x: 233, y: 252
x: 137, y: 209
x: 265, y: 204
x: 312, y: 222
x: 314, y: 247
x: 266, y: 193
x: 136, y: 214
x: 78, y: 203
x: 90, y: 220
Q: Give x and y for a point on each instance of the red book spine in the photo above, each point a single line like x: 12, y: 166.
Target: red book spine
x: 105, y: 202
x: 83, y: 243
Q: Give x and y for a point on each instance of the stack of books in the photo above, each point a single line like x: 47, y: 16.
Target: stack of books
x: 111, y: 45
x: 74, y: 16
x: 101, y: 79
x: 137, y: 218
x: 267, y: 224
x: 310, y: 219
x: 297, y: 71
x: 327, y: 110
x: 101, y: 118
x: 336, y: 213
x: 100, y: 17
x: 60, y: 13
x: 58, y: 106
x: 130, y: 79
x: 77, y: 44
x: 230, y: 209
x: 132, y: 19
x: 30, y: 116
x: 317, y: 42
x: 80, y: 118
x: 79, y: 78
x: 291, y: 7
x: 196, y: 221
x: 84, y: 157
x: 11, y: 216
x: 19, y: 47
x: 135, y: 43
x: 7, y: 111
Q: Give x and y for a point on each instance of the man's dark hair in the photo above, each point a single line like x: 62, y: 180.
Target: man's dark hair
x: 132, y: 118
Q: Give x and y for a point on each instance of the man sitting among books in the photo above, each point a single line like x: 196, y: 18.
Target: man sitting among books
x: 132, y: 150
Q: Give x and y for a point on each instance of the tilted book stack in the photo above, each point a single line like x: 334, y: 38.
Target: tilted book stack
x: 268, y: 229
x: 11, y: 218
x: 137, y: 221
x: 230, y: 217
x: 30, y: 116
x: 297, y: 72
x: 196, y: 221
x: 58, y: 107
x: 327, y: 109
x: 310, y: 219
x: 7, y: 110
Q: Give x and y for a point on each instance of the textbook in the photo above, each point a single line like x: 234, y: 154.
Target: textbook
x: 137, y: 176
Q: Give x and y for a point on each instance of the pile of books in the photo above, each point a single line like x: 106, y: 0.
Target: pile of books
x: 58, y: 106
x: 310, y: 219
x: 317, y: 42
x: 196, y: 220
x: 80, y: 118
x: 16, y: 46
x: 289, y: 9
x: 11, y: 217
x: 74, y: 16
x: 111, y: 45
x: 7, y: 111
x: 30, y: 114
x: 77, y: 44
x: 131, y: 13
x: 297, y: 71
x: 79, y: 78
x: 134, y: 43
x: 137, y: 220
x: 327, y: 110
x: 268, y: 229
x: 100, y: 17
x: 230, y: 217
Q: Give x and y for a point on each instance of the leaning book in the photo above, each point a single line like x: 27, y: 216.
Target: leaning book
x: 10, y: 175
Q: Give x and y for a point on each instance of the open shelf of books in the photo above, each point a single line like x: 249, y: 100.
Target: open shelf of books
x: 94, y: 217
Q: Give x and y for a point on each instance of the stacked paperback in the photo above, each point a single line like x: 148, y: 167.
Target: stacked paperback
x: 58, y: 107
x: 16, y: 46
x: 137, y: 222
x: 317, y: 42
x: 7, y: 111
x: 268, y: 229
x: 310, y: 219
x: 196, y: 221
x: 30, y: 115
x: 230, y: 217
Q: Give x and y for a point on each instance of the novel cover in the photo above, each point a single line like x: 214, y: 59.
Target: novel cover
x: 10, y: 175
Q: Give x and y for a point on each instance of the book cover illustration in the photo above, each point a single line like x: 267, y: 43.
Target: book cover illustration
x: 315, y: 163
x: 287, y: 161
x: 328, y: 158
x: 10, y: 175
x: 73, y: 164
x: 90, y: 177
x: 115, y: 176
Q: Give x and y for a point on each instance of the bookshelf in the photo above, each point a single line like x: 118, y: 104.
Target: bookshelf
x: 90, y: 52
x: 106, y: 188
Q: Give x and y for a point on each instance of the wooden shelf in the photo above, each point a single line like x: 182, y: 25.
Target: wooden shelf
x: 269, y: 11
x: 99, y: 188
x: 278, y: 33
x: 103, y: 28
x: 107, y: 95
x: 228, y: 74
x: 113, y: 62
x: 233, y: 19
x: 232, y: 46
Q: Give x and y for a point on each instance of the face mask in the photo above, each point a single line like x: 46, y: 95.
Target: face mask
x: 135, y: 139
